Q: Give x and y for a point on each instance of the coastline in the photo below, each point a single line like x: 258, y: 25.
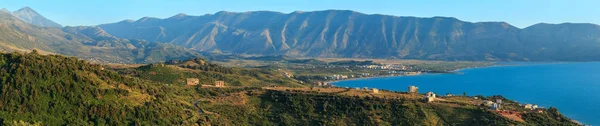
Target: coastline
x: 459, y: 71
x: 456, y: 71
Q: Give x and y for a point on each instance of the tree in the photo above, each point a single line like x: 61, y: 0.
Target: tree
x: 34, y: 51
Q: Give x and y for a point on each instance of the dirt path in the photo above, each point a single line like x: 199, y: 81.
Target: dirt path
x: 202, y: 111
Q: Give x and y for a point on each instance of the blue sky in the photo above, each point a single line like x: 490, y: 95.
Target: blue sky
x: 520, y: 13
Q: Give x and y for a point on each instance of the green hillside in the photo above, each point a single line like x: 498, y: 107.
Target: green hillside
x: 58, y: 90
x: 177, y: 72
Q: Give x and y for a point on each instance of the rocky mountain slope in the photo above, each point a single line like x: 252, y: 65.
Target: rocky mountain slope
x: 90, y: 43
x: 338, y: 33
x: 31, y: 16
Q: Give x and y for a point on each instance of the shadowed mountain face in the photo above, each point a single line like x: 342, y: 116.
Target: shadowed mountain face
x: 31, y: 16
x: 336, y: 33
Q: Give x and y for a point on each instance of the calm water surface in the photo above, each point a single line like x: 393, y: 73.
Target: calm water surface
x: 571, y: 87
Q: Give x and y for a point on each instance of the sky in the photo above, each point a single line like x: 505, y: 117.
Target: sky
x: 520, y: 13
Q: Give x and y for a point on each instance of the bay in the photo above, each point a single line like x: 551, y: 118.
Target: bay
x: 571, y: 87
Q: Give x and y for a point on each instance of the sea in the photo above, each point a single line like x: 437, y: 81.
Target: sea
x: 573, y: 88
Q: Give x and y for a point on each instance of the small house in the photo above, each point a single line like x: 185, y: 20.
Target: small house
x: 375, y: 90
x: 496, y: 106
x: 531, y: 106
x: 539, y: 111
x: 193, y: 81
x: 429, y: 96
x: 528, y: 106
x: 413, y: 89
x: 289, y: 75
x: 219, y: 83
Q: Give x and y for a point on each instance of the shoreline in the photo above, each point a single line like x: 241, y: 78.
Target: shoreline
x: 387, y: 76
x: 458, y: 71
x: 422, y: 73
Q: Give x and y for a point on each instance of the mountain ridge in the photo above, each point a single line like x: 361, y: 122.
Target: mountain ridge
x: 31, y: 16
x: 90, y: 43
x: 358, y: 12
x: 350, y: 34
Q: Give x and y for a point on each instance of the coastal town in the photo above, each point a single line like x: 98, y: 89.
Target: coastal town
x: 349, y: 72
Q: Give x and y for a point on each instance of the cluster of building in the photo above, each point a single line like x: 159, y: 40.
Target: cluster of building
x: 196, y: 81
x: 429, y: 96
x: 530, y: 106
x: 373, y: 90
x: 289, y: 75
x: 412, y: 73
x: 449, y: 95
x: 387, y: 67
x: 339, y: 77
x: 323, y: 84
x: 493, y: 105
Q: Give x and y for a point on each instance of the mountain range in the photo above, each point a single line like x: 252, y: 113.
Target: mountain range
x: 341, y: 33
x: 87, y: 42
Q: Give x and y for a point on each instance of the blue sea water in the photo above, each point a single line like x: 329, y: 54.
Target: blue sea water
x: 573, y: 88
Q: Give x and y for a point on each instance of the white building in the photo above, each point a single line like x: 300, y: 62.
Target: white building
x: 375, y: 90
x: 531, y: 106
x: 496, y: 106
x: 413, y: 89
x: 429, y: 96
x: 528, y: 106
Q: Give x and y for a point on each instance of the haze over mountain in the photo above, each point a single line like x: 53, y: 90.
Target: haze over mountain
x: 90, y: 43
x: 5, y: 10
x: 31, y: 16
x: 341, y: 33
